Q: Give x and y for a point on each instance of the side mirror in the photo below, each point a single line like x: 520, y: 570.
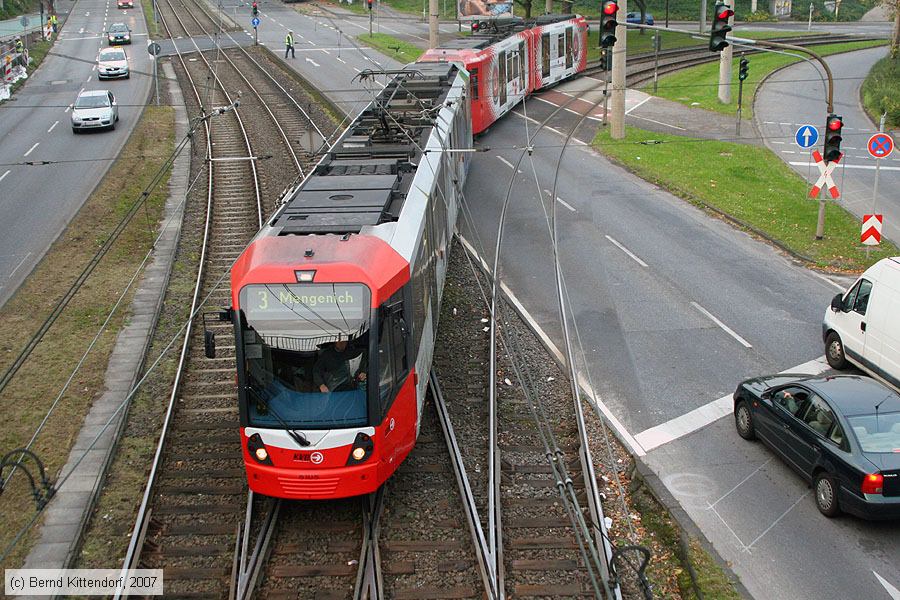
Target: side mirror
x: 209, y: 344
x: 766, y: 395
x: 837, y: 303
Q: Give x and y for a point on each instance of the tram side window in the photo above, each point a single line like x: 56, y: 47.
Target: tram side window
x: 474, y: 83
x: 522, y: 60
x: 560, y: 46
x: 392, y: 358
x: 545, y: 55
x: 568, y: 47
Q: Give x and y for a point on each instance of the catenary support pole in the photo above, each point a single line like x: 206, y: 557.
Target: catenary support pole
x: 433, y: 15
x: 702, y: 16
x: 617, y: 101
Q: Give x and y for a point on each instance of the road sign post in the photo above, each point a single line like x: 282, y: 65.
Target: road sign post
x: 806, y: 136
x: 879, y: 146
x: 255, y: 22
x: 153, y: 49
x: 871, y: 230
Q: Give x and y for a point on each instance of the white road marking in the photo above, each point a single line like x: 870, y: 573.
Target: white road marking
x: 707, y: 414
x: 339, y: 59
x: 2, y: 177
x: 627, y: 251
x: 312, y: 42
x: 326, y: 51
x: 24, y: 258
x: 561, y: 201
x: 638, y: 104
x: 742, y: 482
x: 88, y: 80
x: 507, y: 163
x: 68, y: 108
x: 724, y: 327
x: 52, y: 126
x: 87, y: 14
x: 788, y: 152
x: 30, y: 150
x: 633, y: 445
x: 779, y: 142
x: 846, y: 166
x: 776, y: 521
x: 94, y: 68
x: 81, y: 30
x: 893, y: 592
x: 826, y: 279
x: 314, y: 63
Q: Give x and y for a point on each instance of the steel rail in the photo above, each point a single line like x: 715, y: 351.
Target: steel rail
x: 269, y: 75
x: 262, y: 102
x: 482, y: 550
x: 369, y: 580
x: 133, y: 553
x: 249, y: 568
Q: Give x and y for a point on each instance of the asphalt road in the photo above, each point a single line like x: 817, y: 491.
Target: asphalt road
x: 674, y: 308
x: 37, y: 202
x: 795, y: 95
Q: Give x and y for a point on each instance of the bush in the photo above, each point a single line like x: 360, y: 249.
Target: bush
x: 759, y: 16
x: 881, y: 91
x: 850, y: 10
x: 14, y: 8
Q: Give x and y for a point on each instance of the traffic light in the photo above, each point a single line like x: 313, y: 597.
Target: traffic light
x: 833, y: 126
x: 720, y: 27
x: 369, y: 3
x: 255, y: 9
x: 744, y: 70
x: 608, y: 23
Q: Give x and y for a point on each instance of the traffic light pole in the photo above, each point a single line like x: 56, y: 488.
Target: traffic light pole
x: 726, y: 60
x: 617, y: 101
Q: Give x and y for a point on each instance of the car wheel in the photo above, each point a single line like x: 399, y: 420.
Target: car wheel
x: 834, y: 351
x: 75, y: 130
x: 112, y: 127
x: 826, y: 491
x: 743, y: 421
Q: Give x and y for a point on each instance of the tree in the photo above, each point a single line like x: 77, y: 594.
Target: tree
x: 642, y: 5
x: 895, y: 38
x: 526, y: 5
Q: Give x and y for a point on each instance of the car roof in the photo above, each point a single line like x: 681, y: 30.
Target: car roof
x: 118, y: 25
x: 111, y: 50
x: 93, y: 93
x: 855, y: 394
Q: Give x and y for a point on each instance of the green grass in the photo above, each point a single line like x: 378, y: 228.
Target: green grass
x: 881, y: 91
x: 14, y: 8
x: 749, y: 184
x: 152, y: 26
x: 392, y: 47
x: 698, y: 86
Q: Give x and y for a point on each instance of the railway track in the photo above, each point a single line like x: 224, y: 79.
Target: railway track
x: 196, y: 498
x: 640, y: 67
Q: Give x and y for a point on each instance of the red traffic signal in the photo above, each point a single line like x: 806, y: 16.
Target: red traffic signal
x: 608, y: 23
x: 720, y: 27
x: 835, y: 124
x: 725, y: 12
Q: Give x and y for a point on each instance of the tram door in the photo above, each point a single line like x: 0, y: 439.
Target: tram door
x: 568, y: 48
x: 502, y: 77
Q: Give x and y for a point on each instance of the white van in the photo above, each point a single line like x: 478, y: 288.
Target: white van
x: 863, y: 325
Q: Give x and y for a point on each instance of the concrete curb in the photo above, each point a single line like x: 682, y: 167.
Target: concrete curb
x: 71, y: 508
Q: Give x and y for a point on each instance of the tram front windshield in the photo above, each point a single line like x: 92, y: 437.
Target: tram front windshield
x: 306, y: 350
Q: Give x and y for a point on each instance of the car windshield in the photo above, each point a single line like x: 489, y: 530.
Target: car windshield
x: 118, y: 28
x: 92, y: 101
x: 877, y: 433
x: 306, y: 349
x: 115, y: 55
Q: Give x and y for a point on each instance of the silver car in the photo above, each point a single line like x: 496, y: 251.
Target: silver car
x: 94, y: 109
x: 112, y: 63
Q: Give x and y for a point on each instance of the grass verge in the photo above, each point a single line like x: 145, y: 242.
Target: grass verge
x: 391, y: 46
x: 37, y: 51
x: 152, y: 26
x: 38, y: 382
x: 749, y: 185
x: 698, y: 86
x: 881, y: 91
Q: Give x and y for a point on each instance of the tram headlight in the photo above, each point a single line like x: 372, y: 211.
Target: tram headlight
x: 362, y: 450
x: 257, y: 449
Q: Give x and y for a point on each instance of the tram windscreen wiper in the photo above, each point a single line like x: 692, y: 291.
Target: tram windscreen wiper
x: 295, y: 435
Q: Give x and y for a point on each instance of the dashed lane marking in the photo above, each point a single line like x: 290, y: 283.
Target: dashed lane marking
x: 893, y: 592
x: 2, y: 177
x: 561, y: 201
x: 722, y: 325
x: 627, y: 251
x: 30, y: 150
x: 52, y: 126
x: 508, y: 164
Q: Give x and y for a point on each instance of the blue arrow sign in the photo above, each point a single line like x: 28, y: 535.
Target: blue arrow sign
x: 255, y: 22
x: 806, y: 136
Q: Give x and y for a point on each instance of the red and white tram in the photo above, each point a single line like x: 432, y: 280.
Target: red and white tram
x: 515, y: 61
x: 335, y: 302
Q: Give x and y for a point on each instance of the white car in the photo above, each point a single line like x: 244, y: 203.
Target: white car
x: 94, y: 109
x: 112, y: 63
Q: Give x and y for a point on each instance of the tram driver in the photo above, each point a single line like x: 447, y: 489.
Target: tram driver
x: 340, y: 366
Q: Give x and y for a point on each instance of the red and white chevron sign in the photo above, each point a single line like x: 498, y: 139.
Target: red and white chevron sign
x: 871, y: 230
x: 825, y: 179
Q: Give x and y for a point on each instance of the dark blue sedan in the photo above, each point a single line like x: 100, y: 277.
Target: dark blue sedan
x: 635, y: 17
x: 842, y: 433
